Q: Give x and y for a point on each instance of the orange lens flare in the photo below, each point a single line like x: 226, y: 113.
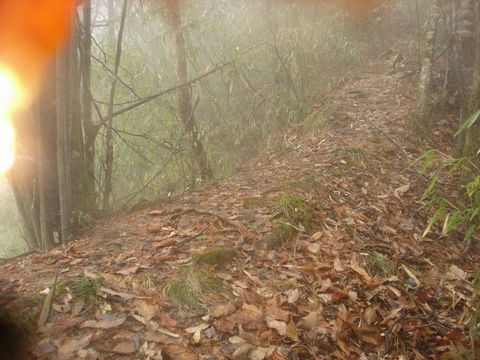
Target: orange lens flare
x: 11, y: 98
x: 7, y: 145
x: 31, y: 31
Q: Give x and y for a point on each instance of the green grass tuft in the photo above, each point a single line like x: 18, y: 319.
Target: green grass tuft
x: 353, y: 154
x: 296, y: 211
x: 194, y: 288
x: 380, y: 264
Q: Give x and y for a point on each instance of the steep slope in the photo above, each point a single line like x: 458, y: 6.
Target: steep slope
x: 313, y: 251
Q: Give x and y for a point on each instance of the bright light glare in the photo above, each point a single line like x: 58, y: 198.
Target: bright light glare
x: 7, y: 145
x: 11, y: 97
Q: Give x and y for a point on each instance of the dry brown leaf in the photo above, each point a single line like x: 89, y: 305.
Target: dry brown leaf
x: 147, y: 311
x: 179, y: 352
x: 261, y: 353
x: 125, y: 347
x: 310, y: 321
x: 366, y: 278
x: 401, y: 190
x: 370, y: 315
x: 158, y: 337
x: 292, y: 331
x: 197, y: 332
x: 128, y: 271
x: 455, y: 273
x: 103, y: 324
x: 223, y: 310
x: 279, y: 326
x: 337, y: 265
x: 275, y: 312
x: 292, y: 295
x: 314, y: 248
x: 72, y: 346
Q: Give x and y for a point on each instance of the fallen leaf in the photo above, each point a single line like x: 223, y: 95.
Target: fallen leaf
x: 179, y: 352
x: 148, y: 311
x: 455, y: 273
x: 160, y: 338
x: 128, y: 271
x: 197, y: 332
x: 292, y: 331
x: 314, y: 248
x: 411, y: 275
x: 72, y: 346
x: 261, y: 353
x: 223, y: 310
x: 310, y: 321
x: 292, y: 295
x: 366, y: 278
x: 126, y: 348
x: 103, y: 324
x: 401, y: 190
x: 370, y: 315
x: 337, y: 265
x: 279, y: 326
x: 243, y: 349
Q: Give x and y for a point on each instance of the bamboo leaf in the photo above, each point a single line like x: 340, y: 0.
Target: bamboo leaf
x: 469, y: 122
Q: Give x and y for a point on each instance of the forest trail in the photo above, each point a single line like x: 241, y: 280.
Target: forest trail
x: 354, y: 281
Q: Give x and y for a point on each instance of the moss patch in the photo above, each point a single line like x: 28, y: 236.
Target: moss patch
x: 215, y: 256
x: 296, y: 211
x: 86, y: 288
x: 194, y: 288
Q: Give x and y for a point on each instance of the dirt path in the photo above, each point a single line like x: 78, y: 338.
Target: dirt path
x: 353, y: 281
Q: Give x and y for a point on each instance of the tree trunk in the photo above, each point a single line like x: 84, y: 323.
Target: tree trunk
x: 63, y: 145
x: 420, y: 120
x: 472, y: 136
x: 109, y: 121
x: 184, y: 101
x: 90, y: 130
x: 33, y: 177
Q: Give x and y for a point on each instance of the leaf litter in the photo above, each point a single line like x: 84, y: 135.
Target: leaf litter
x: 193, y: 278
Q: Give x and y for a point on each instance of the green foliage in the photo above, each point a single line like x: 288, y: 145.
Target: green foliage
x: 457, y: 213
x: 471, y: 120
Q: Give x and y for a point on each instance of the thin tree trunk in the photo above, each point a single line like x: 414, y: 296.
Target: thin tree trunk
x: 62, y: 145
x: 471, y: 145
x: 422, y: 108
x: 45, y: 238
x: 184, y: 101
x: 109, y: 121
x: 89, y: 127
